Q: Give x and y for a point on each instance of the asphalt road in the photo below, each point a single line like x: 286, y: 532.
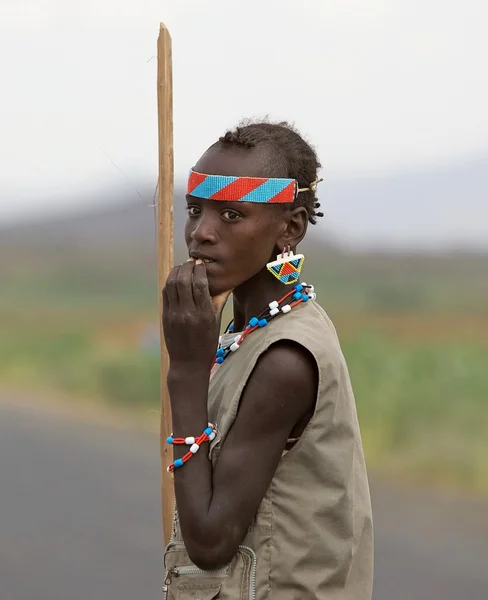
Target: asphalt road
x: 80, y: 520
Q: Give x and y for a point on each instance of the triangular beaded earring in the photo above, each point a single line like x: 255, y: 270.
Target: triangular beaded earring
x: 287, y: 266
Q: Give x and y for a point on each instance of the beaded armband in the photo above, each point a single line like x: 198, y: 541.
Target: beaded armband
x: 207, y: 436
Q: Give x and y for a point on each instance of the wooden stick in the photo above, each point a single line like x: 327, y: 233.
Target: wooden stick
x: 165, y: 256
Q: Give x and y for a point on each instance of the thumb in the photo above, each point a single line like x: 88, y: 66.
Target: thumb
x: 219, y: 301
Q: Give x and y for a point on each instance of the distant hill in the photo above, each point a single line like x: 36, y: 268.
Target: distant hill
x: 111, y: 253
x: 432, y: 209
x: 411, y: 265
x: 445, y: 207
x: 128, y: 225
x: 107, y: 224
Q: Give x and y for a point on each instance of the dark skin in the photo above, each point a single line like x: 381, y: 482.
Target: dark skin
x: 217, y: 504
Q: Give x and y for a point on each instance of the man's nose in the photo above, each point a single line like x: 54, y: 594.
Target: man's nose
x: 204, y: 230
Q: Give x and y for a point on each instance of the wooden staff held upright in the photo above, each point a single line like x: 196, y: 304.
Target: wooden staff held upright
x: 165, y: 255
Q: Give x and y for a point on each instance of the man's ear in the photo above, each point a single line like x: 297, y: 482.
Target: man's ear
x: 295, y: 228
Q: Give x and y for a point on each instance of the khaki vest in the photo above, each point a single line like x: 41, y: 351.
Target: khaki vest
x: 312, y: 537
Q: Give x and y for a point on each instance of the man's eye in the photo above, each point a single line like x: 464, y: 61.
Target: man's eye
x: 193, y: 211
x: 231, y: 215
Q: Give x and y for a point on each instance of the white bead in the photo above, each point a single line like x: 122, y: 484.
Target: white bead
x: 234, y: 347
x: 237, y: 338
x: 274, y: 311
x: 195, y: 448
x: 212, y: 436
x: 304, y: 284
x: 189, y: 441
x: 210, y: 425
x: 273, y: 305
x: 310, y: 289
x: 286, y: 308
x: 313, y: 296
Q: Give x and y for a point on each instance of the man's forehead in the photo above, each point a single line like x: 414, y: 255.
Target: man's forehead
x: 237, y: 161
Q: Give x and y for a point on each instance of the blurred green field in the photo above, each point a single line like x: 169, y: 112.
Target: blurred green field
x: 83, y: 322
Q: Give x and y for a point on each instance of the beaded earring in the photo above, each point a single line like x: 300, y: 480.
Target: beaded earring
x: 287, y: 266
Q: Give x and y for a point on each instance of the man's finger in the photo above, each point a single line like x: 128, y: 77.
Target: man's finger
x: 201, y: 292
x: 170, y: 288
x: 184, y: 285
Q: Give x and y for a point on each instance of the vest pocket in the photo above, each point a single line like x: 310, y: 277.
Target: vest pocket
x: 199, y: 592
x: 185, y: 581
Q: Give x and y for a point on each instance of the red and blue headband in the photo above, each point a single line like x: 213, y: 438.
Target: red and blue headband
x: 267, y: 190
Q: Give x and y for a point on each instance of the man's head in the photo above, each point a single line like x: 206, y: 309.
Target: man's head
x: 241, y: 237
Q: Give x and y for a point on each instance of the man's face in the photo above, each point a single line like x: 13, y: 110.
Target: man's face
x: 235, y: 239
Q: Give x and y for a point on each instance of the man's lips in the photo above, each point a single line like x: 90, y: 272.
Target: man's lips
x: 206, y: 259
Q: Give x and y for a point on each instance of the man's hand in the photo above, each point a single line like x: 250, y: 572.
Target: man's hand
x: 191, y: 318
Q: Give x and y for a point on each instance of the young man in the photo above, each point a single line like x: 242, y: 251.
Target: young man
x: 272, y: 498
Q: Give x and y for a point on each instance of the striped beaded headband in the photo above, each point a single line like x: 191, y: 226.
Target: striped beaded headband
x: 265, y: 190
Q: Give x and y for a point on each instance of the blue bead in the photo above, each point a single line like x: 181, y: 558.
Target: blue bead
x: 208, y: 431
x: 178, y: 463
x: 305, y: 297
x: 299, y: 287
x: 220, y: 352
x: 220, y: 360
x: 253, y: 322
x: 297, y: 296
x: 231, y: 327
x: 263, y: 323
x: 169, y: 440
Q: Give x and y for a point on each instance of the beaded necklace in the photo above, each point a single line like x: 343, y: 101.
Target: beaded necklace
x: 300, y: 293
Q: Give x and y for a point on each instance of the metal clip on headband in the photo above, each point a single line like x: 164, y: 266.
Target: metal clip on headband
x: 312, y: 187
x: 267, y: 190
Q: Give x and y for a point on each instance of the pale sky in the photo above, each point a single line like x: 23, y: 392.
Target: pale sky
x: 376, y: 85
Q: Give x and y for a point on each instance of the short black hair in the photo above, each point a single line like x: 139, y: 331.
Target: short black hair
x: 299, y: 157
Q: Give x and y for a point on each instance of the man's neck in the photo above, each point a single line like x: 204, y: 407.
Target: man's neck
x: 253, y: 297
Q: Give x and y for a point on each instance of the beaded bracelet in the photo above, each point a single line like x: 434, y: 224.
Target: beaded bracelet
x: 207, y: 436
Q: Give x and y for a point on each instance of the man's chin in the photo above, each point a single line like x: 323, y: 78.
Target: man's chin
x: 216, y: 287
x: 215, y: 290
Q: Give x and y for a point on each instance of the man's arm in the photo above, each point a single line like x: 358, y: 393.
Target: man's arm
x: 216, y: 506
